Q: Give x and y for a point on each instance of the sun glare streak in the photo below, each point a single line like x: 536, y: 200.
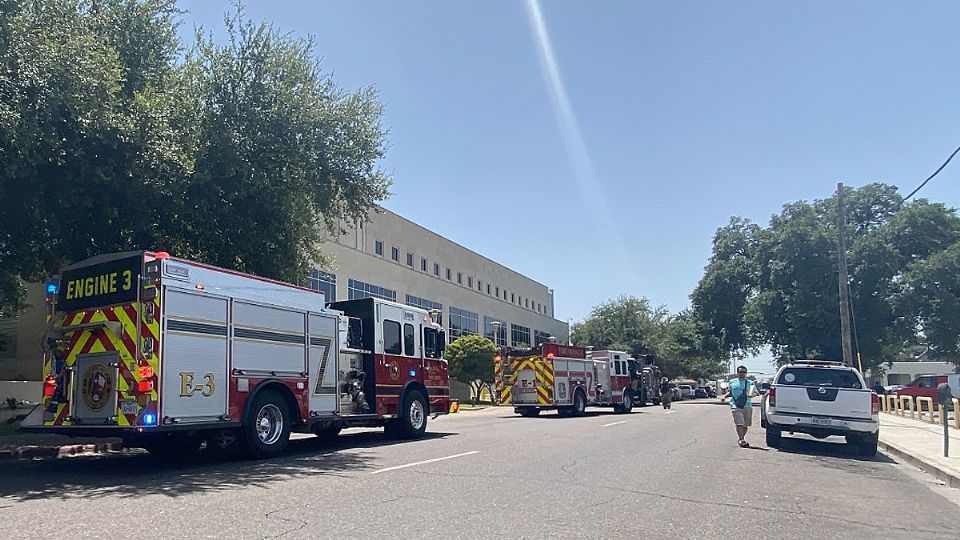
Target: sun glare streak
x: 584, y: 172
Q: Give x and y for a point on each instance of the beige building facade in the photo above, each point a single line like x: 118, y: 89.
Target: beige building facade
x: 394, y: 258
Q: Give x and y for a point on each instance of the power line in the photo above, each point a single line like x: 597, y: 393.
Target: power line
x: 936, y: 172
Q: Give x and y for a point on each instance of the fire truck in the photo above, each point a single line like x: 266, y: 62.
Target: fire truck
x: 566, y: 378
x: 168, y: 354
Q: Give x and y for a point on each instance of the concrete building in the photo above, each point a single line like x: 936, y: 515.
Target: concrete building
x: 393, y: 258
x: 387, y: 257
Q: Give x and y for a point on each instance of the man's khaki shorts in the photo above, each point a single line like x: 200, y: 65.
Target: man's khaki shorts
x: 742, y: 417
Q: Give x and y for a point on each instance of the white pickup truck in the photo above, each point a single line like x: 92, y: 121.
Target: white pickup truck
x: 822, y: 398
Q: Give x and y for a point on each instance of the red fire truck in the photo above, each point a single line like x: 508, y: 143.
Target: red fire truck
x: 168, y: 353
x: 566, y: 378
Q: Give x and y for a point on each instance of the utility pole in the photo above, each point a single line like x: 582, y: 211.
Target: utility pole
x: 844, y: 290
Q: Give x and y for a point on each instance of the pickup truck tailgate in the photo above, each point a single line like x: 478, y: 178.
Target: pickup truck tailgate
x: 824, y: 401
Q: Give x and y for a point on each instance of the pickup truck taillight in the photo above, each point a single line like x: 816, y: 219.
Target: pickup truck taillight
x: 772, y: 396
x: 874, y: 403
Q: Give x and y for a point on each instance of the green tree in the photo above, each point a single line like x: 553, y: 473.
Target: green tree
x: 243, y: 154
x: 931, y: 293
x: 779, y: 289
x: 626, y: 323
x: 471, y: 361
x: 689, y: 349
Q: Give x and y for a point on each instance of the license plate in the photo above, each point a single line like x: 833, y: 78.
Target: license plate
x: 128, y: 407
x: 821, y: 421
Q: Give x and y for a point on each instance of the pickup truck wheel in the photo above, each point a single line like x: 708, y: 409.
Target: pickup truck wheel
x: 867, y: 445
x: 266, y: 431
x: 774, y: 438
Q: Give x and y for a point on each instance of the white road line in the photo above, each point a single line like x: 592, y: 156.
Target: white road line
x: 615, y: 423
x: 424, y: 462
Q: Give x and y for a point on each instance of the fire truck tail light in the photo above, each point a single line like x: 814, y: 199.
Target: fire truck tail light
x: 49, y: 386
x: 145, y: 386
x: 145, y: 372
x: 875, y: 404
x: 549, y: 356
x: 772, y: 396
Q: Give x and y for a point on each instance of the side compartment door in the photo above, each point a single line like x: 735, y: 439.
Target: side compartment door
x: 324, y: 365
x: 194, y: 357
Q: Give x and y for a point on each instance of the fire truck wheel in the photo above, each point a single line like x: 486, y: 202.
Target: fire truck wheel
x: 627, y: 405
x: 412, y: 422
x: 579, y: 403
x: 266, y: 431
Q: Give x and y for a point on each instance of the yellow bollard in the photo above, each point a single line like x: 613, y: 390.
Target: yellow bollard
x: 889, y: 404
x: 956, y: 413
x: 906, y: 402
x: 921, y: 400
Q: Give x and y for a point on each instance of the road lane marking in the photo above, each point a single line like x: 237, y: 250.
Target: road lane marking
x: 669, y: 412
x: 615, y: 423
x: 424, y: 462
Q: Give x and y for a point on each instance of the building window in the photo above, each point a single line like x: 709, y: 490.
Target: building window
x: 469, y: 282
x: 519, y: 336
x: 448, y: 274
x: 488, y: 288
x: 428, y: 305
x: 526, y: 303
x: 410, y: 260
x: 498, y: 292
x: 423, y: 264
x: 512, y: 299
x: 323, y: 282
x: 395, y: 254
x: 359, y: 289
x: 436, y: 269
x: 501, y: 337
x: 460, y: 278
x: 378, y: 248
x: 540, y: 337
x: 463, y: 322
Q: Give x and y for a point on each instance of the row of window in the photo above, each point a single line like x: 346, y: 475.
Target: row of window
x: 462, y: 322
x: 481, y: 286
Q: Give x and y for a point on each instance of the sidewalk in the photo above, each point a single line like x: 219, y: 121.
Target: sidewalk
x: 921, y: 444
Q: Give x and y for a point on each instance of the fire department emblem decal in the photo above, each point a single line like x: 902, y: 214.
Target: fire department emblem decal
x: 97, y: 385
x: 394, y: 370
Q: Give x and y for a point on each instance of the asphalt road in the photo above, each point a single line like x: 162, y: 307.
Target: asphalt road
x: 486, y: 474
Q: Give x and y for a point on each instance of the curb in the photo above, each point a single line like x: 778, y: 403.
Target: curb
x: 55, y: 452
x: 950, y: 478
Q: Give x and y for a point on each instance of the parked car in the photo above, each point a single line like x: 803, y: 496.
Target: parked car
x: 687, y: 392
x: 926, y: 386
x: 822, y: 399
x: 701, y: 392
x: 711, y: 392
x: 763, y: 388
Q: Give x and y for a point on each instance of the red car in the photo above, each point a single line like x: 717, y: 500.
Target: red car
x: 926, y: 386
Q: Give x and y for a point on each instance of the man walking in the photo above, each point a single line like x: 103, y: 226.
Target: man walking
x: 665, y: 393
x: 740, y: 392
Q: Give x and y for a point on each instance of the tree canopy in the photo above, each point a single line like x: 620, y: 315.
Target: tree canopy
x: 471, y: 360
x: 681, y: 344
x: 777, y: 286
x: 113, y: 137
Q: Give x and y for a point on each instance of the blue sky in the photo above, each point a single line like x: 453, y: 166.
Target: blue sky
x: 672, y: 117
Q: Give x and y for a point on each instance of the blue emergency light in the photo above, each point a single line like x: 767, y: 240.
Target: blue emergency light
x: 413, y: 373
x: 52, y: 288
x: 149, y: 419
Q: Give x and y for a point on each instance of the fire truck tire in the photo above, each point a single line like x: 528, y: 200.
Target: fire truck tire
x: 529, y: 412
x: 266, y: 430
x: 627, y: 406
x: 412, y: 421
x: 579, y: 403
